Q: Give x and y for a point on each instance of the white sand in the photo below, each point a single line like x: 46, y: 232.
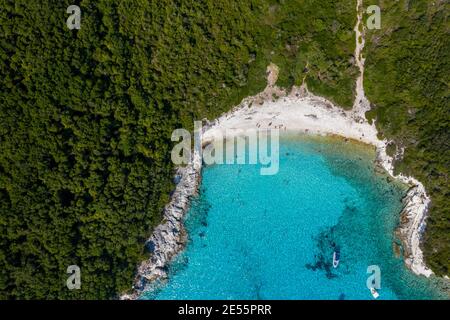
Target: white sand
x: 307, y: 114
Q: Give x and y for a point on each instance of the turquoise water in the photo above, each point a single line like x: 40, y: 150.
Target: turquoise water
x: 271, y: 237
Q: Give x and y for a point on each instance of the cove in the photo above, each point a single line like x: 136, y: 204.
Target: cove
x: 271, y: 237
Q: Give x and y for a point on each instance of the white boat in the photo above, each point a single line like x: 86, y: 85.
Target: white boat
x: 374, y: 293
x: 336, y: 257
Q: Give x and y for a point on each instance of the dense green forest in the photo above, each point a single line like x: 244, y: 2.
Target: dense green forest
x: 86, y: 117
x: 407, y: 80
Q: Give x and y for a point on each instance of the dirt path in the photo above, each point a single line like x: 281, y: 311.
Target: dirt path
x: 361, y: 104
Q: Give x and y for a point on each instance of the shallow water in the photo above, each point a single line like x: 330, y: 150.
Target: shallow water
x: 272, y: 237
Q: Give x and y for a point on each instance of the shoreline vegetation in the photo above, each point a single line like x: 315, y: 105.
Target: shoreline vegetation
x: 87, y: 116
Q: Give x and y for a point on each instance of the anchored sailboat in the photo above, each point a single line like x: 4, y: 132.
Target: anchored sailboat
x: 336, y: 257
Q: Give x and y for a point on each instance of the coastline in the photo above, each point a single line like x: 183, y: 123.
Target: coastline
x: 169, y: 237
x: 299, y: 111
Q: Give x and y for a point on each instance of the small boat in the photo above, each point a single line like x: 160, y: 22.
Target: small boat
x: 336, y: 257
x: 374, y: 293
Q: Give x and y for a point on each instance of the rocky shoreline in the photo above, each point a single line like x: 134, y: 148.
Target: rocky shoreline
x: 412, y: 226
x: 170, y: 237
x: 412, y: 217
